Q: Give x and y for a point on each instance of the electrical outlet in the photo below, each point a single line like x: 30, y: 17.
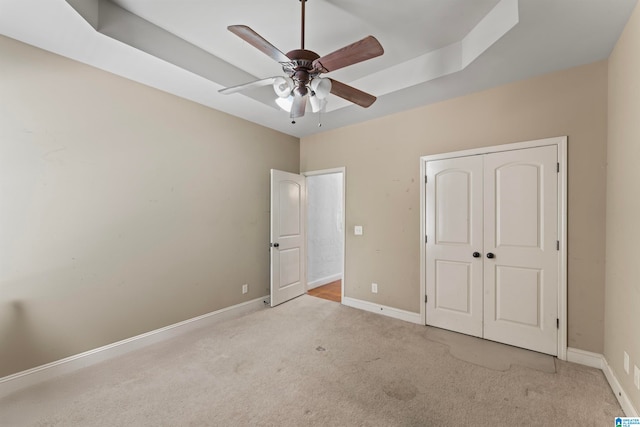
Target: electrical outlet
x: 245, y: 288
x: 374, y: 288
x: 636, y: 376
x: 626, y: 362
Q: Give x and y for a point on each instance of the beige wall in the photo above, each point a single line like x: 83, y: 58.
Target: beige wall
x: 382, y: 179
x: 122, y: 208
x: 622, y: 309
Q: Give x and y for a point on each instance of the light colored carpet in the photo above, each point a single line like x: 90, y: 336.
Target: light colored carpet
x: 316, y: 362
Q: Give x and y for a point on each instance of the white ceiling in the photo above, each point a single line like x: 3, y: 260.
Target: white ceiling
x: 434, y: 49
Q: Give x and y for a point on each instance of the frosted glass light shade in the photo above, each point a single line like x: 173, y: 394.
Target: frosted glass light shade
x: 317, y: 104
x: 285, y: 103
x: 321, y: 87
x: 283, y: 86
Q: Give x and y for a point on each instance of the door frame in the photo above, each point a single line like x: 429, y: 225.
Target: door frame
x: 341, y: 170
x: 561, y: 144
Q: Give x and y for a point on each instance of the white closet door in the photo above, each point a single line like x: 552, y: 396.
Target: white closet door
x: 454, y: 230
x: 521, y: 257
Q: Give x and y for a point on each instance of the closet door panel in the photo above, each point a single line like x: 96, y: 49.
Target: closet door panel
x: 454, y: 230
x: 521, y: 258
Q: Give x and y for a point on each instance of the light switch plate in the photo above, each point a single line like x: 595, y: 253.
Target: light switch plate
x: 636, y: 376
x: 626, y: 362
x: 357, y: 230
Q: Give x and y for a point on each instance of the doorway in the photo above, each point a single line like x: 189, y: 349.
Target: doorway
x: 325, y: 233
x: 493, y: 262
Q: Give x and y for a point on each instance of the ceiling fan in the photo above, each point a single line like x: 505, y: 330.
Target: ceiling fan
x: 303, y: 67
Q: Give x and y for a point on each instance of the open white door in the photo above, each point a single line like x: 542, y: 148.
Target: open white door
x: 288, y: 276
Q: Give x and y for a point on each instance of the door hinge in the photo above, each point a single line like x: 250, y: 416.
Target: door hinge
x: 425, y: 179
x: 425, y: 299
x: 558, y: 245
x: 557, y: 323
x: 558, y: 167
x: 425, y: 238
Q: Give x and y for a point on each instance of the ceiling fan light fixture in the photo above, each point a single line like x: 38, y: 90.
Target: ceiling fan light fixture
x: 283, y: 86
x: 285, y: 103
x: 317, y: 104
x: 303, y: 86
x: 321, y: 87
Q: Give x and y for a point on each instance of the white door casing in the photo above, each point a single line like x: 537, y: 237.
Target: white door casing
x: 524, y: 229
x: 454, y: 275
x: 288, y: 239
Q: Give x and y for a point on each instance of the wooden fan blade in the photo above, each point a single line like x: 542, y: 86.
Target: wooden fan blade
x: 367, y: 48
x: 257, y: 41
x: 352, y: 94
x: 298, y: 107
x: 245, y: 86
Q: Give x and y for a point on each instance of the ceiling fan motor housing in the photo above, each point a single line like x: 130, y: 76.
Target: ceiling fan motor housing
x: 300, y: 69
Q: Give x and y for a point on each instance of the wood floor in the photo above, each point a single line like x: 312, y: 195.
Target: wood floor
x: 331, y: 291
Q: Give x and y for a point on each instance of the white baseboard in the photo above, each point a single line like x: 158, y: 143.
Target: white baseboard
x: 396, y: 313
x: 586, y: 358
x: 20, y: 380
x: 597, y: 360
x: 323, y: 281
x: 622, y: 397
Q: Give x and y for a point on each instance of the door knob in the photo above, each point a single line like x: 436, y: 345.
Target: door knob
x: 490, y: 255
x: 476, y: 254
x: 276, y: 245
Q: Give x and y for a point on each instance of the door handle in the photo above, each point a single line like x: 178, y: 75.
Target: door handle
x: 490, y: 255
x: 275, y: 245
x: 476, y: 254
